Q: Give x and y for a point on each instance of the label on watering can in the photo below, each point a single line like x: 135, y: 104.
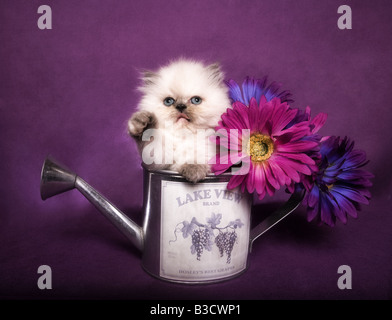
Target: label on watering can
x: 204, y: 231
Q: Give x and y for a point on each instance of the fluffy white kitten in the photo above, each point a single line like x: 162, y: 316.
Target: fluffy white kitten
x: 181, y: 101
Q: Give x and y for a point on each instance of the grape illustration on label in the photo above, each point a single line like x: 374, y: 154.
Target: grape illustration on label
x: 204, y: 236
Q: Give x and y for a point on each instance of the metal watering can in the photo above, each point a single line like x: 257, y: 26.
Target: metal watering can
x: 192, y: 233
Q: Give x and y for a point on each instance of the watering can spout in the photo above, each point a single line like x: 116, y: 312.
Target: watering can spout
x: 56, y: 179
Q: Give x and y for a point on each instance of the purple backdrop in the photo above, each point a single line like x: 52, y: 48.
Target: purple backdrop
x: 69, y: 92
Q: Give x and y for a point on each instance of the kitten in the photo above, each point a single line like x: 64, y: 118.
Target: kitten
x: 179, y: 100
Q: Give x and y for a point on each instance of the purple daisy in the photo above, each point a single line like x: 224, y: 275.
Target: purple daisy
x: 340, y: 185
x: 270, y: 153
x: 256, y: 88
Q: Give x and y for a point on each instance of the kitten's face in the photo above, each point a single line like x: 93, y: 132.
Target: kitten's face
x: 185, y: 94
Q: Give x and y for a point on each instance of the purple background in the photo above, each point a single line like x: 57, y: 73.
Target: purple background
x: 69, y: 92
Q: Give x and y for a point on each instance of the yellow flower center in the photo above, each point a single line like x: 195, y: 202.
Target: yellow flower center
x: 260, y: 147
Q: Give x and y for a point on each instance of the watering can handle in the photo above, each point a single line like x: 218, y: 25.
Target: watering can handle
x: 276, y: 216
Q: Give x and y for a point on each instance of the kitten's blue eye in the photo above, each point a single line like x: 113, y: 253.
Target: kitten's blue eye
x: 196, y: 100
x: 168, y: 101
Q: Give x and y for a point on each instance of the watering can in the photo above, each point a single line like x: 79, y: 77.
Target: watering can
x: 192, y: 233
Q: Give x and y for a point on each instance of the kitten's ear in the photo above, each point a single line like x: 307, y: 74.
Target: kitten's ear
x: 215, y: 72
x: 149, y: 77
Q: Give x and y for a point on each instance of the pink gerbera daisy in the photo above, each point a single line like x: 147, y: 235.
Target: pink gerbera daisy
x: 264, y: 145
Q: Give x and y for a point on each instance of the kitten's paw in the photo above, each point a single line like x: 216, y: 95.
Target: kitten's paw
x: 140, y: 121
x: 194, y: 172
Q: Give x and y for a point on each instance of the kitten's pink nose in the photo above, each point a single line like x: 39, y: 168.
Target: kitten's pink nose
x: 181, y: 107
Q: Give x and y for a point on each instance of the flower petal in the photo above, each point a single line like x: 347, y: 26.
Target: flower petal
x: 298, y: 146
x: 313, y: 197
x: 354, y: 159
x: 326, y: 211
x: 278, y: 173
x: 290, y: 172
x: 312, y: 212
x: 235, y: 181
x: 235, y: 91
x: 270, y: 176
x: 281, y: 117
x: 260, y: 179
x: 302, y: 157
x: 297, y: 166
x: 318, y: 121
x: 351, y: 194
x: 270, y: 189
x: 250, y: 90
x: 250, y: 180
x: 344, y: 204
